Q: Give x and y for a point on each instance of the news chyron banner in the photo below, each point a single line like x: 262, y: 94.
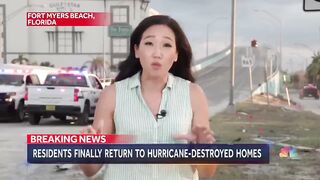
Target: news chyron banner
x: 75, y: 148
x: 67, y: 19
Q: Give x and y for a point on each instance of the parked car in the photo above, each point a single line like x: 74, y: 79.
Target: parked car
x: 309, y: 90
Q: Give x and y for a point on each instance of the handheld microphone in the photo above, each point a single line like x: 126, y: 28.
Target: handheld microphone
x: 162, y: 114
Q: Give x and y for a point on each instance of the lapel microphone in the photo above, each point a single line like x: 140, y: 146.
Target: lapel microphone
x: 162, y: 114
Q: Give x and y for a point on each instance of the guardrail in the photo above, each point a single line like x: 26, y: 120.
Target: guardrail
x: 207, y: 61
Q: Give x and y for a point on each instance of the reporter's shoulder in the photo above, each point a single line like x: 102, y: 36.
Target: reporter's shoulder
x: 109, y: 92
x: 199, y: 102
x: 196, y: 90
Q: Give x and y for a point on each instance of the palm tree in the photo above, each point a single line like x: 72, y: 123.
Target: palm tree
x: 313, y: 70
x: 97, y: 67
x: 20, y: 60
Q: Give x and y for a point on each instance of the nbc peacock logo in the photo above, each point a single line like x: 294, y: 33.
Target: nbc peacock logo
x: 288, y: 152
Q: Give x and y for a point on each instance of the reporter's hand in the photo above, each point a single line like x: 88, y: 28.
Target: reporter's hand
x: 198, y: 135
x: 90, y: 130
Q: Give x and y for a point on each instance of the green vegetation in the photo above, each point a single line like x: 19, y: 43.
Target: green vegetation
x: 313, y: 70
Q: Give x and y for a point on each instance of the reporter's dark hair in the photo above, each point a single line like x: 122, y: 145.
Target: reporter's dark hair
x: 181, y: 68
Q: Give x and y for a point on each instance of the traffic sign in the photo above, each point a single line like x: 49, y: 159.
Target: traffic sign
x: 247, y: 61
x: 120, y: 30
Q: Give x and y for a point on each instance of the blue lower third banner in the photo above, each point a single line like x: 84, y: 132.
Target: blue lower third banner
x: 149, y: 153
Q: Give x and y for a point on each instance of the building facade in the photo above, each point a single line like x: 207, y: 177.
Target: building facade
x: 65, y: 46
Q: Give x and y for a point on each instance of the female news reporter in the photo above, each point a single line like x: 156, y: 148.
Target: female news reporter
x: 156, y: 100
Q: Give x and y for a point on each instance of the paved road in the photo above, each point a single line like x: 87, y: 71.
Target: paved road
x: 13, y: 151
x: 308, y: 104
x: 215, y: 80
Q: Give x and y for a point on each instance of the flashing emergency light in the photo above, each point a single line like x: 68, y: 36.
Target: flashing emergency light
x: 18, y: 71
x: 72, y: 70
x: 62, y: 71
x: 15, y: 71
x: 6, y: 71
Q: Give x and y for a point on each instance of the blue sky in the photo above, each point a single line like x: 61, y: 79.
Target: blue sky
x: 256, y: 19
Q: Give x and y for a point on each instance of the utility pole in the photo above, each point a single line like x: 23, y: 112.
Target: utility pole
x: 250, y: 54
x: 103, y: 42
x: 232, y: 59
x: 3, y: 36
x: 266, y: 80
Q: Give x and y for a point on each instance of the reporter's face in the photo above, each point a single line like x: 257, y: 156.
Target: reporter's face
x: 157, y: 50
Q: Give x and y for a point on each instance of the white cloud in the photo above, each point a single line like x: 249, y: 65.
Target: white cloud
x: 297, y: 26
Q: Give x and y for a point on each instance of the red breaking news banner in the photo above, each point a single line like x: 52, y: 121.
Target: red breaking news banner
x: 67, y: 19
x: 79, y: 139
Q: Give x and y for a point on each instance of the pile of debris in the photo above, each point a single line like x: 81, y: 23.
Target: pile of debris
x: 279, y: 100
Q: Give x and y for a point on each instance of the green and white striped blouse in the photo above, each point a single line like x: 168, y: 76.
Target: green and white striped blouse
x: 132, y: 116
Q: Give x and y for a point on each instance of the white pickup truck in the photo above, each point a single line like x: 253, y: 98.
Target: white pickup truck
x: 62, y: 95
x: 13, y: 84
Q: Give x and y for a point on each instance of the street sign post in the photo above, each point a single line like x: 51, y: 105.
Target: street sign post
x: 248, y: 61
x: 2, y: 35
